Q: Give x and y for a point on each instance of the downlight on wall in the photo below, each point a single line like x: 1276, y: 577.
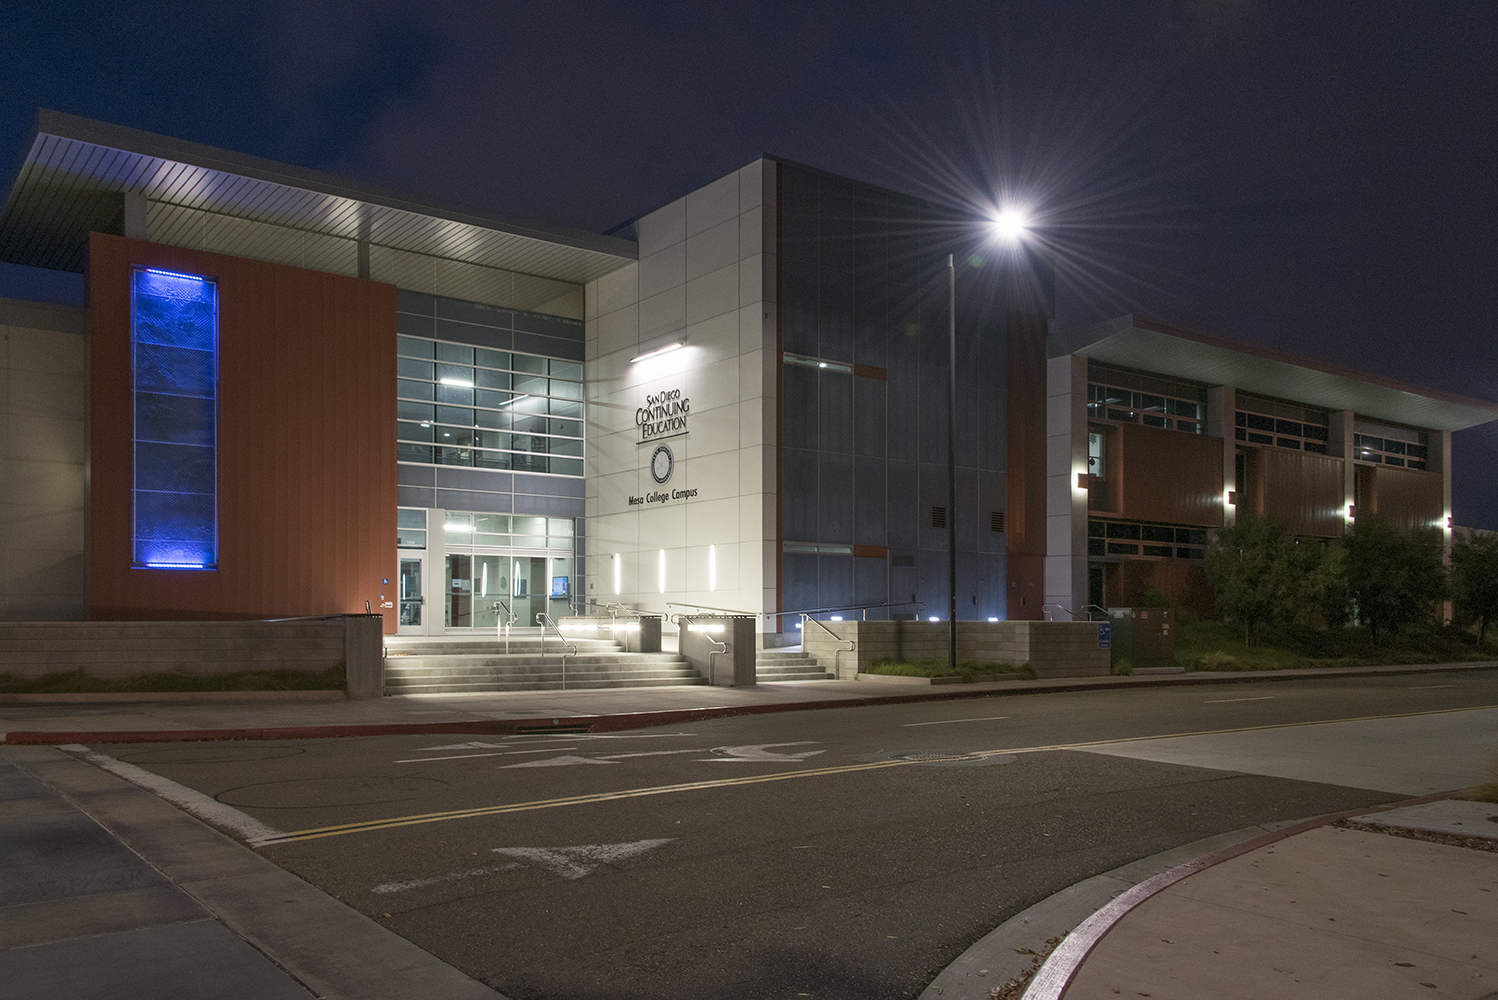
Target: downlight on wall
x: 618, y: 572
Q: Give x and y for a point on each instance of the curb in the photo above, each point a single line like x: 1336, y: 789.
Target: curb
x: 132, y: 697
x: 1083, y: 914
x: 641, y: 720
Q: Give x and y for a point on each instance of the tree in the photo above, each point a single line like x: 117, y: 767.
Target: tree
x: 1395, y: 580
x: 1474, y: 565
x: 1253, y: 566
x: 1322, y: 585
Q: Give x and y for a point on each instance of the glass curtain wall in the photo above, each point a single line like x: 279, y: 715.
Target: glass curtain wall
x: 498, y: 561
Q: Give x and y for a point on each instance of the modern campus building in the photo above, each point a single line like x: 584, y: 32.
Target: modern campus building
x: 289, y: 395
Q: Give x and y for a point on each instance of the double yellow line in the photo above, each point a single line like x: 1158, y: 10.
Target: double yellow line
x: 692, y: 786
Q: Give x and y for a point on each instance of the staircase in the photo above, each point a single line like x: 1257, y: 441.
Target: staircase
x: 787, y: 665
x: 462, y: 665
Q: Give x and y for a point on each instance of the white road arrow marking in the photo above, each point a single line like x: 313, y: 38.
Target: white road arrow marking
x: 561, y: 761
x: 762, y: 752
x: 584, y: 859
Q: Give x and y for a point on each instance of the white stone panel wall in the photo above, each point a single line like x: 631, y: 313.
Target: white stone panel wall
x: 42, y: 406
x: 704, y: 278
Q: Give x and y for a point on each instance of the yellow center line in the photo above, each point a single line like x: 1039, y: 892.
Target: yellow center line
x: 691, y: 786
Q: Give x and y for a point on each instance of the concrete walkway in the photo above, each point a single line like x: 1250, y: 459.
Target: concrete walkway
x: 108, y: 718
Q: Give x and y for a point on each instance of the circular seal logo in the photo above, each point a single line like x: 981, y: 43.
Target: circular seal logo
x: 661, y: 463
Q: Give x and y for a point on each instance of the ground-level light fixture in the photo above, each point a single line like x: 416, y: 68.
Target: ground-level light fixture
x: 658, y: 351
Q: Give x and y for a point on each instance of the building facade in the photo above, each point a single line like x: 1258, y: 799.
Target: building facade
x: 288, y: 395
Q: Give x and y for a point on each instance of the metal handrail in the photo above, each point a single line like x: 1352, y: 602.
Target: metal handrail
x: 705, y: 607
x: 835, y: 637
x: 921, y: 605
x: 722, y: 646
x: 504, y: 629
x: 543, y: 619
x: 1090, y: 608
x: 1047, y: 608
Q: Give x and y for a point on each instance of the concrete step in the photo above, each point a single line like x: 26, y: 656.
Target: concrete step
x: 546, y: 684
x: 481, y: 681
x: 519, y: 661
x: 400, y: 646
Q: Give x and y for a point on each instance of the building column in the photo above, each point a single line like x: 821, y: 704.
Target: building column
x: 1339, y: 445
x: 1222, y: 407
x: 1066, y: 465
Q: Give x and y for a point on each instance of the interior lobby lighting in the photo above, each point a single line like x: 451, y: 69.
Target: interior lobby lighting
x: 515, y: 399
x: 659, y: 351
x: 461, y: 382
x: 458, y: 527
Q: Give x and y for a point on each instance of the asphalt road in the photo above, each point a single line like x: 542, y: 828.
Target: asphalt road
x: 828, y: 854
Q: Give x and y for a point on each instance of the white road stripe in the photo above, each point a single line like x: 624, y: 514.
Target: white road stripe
x: 204, y: 807
x: 1431, y: 687
x: 497, y: 753
x: 947, y: 722
x: 1226, y: 701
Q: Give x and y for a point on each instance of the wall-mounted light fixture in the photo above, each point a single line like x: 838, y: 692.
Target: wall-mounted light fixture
x: 1081, y: 480
x: 659, y: 351
x: 1232, y: 498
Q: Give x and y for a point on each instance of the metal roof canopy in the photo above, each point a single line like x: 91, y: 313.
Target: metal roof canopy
x: 1148, y: 345
x: 76, y: 170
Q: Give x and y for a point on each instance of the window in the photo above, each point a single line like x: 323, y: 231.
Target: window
x: 1388, y: 444
x: 1137, y: 538
x: 1280, y: 424
x: 174, y: 409
x: 1124, y: 396
x: 410, y: 528
x: 462, y: 405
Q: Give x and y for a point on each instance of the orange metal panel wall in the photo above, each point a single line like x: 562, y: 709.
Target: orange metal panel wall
x: 1302, y: 490
x: 306, y: 454
x: 1183, y: 582
x: 1169, y: 476
x: 1407, y: 498
x: 1024, y: 527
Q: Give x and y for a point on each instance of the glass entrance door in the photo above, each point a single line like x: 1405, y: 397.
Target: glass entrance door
x: 411, y: 598
x: 479, y: 586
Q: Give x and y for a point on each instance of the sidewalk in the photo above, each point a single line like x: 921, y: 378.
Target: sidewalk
x: 106, y: 718
x: 107, y: 891
x: 1393, y: 902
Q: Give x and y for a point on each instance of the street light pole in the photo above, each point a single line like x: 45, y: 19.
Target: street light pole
x: 952, y: 465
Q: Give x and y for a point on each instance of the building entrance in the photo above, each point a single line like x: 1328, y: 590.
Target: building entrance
x: 481, y: 585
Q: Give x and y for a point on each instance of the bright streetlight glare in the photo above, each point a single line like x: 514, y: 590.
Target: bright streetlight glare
x: 1010, y: 224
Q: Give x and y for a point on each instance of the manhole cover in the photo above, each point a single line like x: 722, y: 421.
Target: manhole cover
x: 936, y: 756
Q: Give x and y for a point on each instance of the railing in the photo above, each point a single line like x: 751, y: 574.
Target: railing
x: 1089, y: 608
x: 502, y: 628
x: 544, y: 620
x: 704, y: 607
x: 720, y: 646
x: 863, y: 608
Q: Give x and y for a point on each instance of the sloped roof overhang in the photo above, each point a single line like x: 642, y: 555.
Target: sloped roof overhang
x: 1151, y: 346
x: 76, y: 170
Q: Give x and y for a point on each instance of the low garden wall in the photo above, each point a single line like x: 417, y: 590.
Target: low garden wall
x: 124, y: 649
x: 1053, y: 649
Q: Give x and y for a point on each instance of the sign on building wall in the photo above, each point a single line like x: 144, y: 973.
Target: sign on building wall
x: 663, y: 415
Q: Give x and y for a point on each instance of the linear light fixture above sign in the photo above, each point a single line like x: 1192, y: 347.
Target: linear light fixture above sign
x: 659, y: 351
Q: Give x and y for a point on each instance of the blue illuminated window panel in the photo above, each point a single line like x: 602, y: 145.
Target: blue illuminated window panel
x: 174, y: 410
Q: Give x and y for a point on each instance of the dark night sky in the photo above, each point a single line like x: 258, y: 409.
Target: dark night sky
x: 1319, y: 178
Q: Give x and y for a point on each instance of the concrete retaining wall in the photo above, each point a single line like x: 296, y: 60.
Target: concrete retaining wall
x: 1053, y: 649
x: 122, y: 649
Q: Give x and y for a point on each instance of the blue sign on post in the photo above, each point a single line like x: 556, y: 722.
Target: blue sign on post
x: 1104, y: 635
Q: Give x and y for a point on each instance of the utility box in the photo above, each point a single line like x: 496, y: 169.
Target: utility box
x: 1143, y: 636
x: 720, y: 647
